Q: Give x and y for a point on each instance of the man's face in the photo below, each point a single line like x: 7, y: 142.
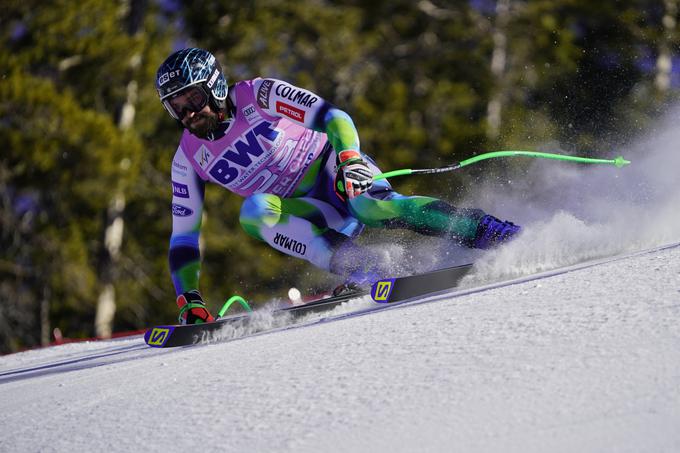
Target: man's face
x: 201, y: 123
x: 193, y: 110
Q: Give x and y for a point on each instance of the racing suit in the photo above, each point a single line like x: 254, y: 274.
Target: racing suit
x: 278, y: 150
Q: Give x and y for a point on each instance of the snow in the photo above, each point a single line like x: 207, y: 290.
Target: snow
x: 586, y: 361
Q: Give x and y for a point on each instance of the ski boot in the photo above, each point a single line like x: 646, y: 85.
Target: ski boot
x: 362, y: 266
x: 192, y: 309
x: 356, y: 281
x: 492, y: 232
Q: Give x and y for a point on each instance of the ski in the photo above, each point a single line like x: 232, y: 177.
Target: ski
x: 385, y: 291
x: 169, y: 336
x: 400, y: 289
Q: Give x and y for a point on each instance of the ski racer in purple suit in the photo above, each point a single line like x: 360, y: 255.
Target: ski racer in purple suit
x: 297, y: 161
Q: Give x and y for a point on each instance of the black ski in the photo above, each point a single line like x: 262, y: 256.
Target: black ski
x: 182, y: 335
x: 383, y: 291
x: 399, y: 289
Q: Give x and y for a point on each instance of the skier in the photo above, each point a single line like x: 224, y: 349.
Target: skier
x: 296, y: 159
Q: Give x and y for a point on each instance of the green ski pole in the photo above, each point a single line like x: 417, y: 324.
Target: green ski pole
x: 618, y: 162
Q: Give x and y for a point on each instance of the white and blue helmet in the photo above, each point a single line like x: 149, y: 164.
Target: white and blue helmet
x: 192, y: 67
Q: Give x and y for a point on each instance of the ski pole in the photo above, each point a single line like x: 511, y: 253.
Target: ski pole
x: 230, y: 302
x: 618, y: 162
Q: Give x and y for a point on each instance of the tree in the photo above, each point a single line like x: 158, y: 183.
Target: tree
x: 56, y: 174
x: 68, y: 71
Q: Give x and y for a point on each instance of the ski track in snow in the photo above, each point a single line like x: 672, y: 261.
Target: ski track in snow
x: 587, y: 360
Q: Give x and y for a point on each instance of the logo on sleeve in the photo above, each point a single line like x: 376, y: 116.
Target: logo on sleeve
x: 204, y: 157
x: 179, y: 168
x: 300, y: 97
x: 180, y: 190
x: 263, y: 93
x: 181, y: 211
x: 290, y: 111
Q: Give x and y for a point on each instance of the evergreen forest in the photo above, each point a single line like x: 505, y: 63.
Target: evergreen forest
x: 85, y: 187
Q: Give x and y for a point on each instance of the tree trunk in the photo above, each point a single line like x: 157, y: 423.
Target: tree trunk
x: 113, y: 239
x: 494, y: 108
x: 45, y: 330
x: 115, y: 225
x: 664, y: 62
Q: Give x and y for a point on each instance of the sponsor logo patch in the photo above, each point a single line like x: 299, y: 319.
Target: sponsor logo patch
x: 382, y: 289
x: 250, y: 114
x: 290, y: 244
x: 300, y: 97
x: 180, y: 190
x: 165, y: 77
x: 290, y: 111
x: 204, y: 157
x: 181, y: 211
x: 179, y: 168
x: 158, y: 336
x: 263, y: 93
x: 226, y: 168
x: 213, y: 78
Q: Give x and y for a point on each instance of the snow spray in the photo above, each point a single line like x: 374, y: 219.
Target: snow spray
x: 572, y: 214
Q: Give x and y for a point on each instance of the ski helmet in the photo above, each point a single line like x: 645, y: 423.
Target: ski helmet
x: 191, y: 67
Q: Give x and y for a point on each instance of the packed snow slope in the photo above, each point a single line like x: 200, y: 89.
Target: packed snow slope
x: 585, y: 361
x: 582, y: 361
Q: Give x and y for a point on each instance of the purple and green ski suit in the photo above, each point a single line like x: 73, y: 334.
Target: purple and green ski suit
x: 278, y: 151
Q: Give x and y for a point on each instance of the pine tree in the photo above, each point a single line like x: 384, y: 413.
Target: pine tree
x: 66, y: 73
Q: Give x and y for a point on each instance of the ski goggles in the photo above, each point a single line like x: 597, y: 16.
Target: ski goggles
x: 191, y: 99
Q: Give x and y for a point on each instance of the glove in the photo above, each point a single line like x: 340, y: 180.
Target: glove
x: 353, y: 175
x: 192, y: 309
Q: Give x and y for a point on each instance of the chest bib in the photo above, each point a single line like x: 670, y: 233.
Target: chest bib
x: 259, y: 153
